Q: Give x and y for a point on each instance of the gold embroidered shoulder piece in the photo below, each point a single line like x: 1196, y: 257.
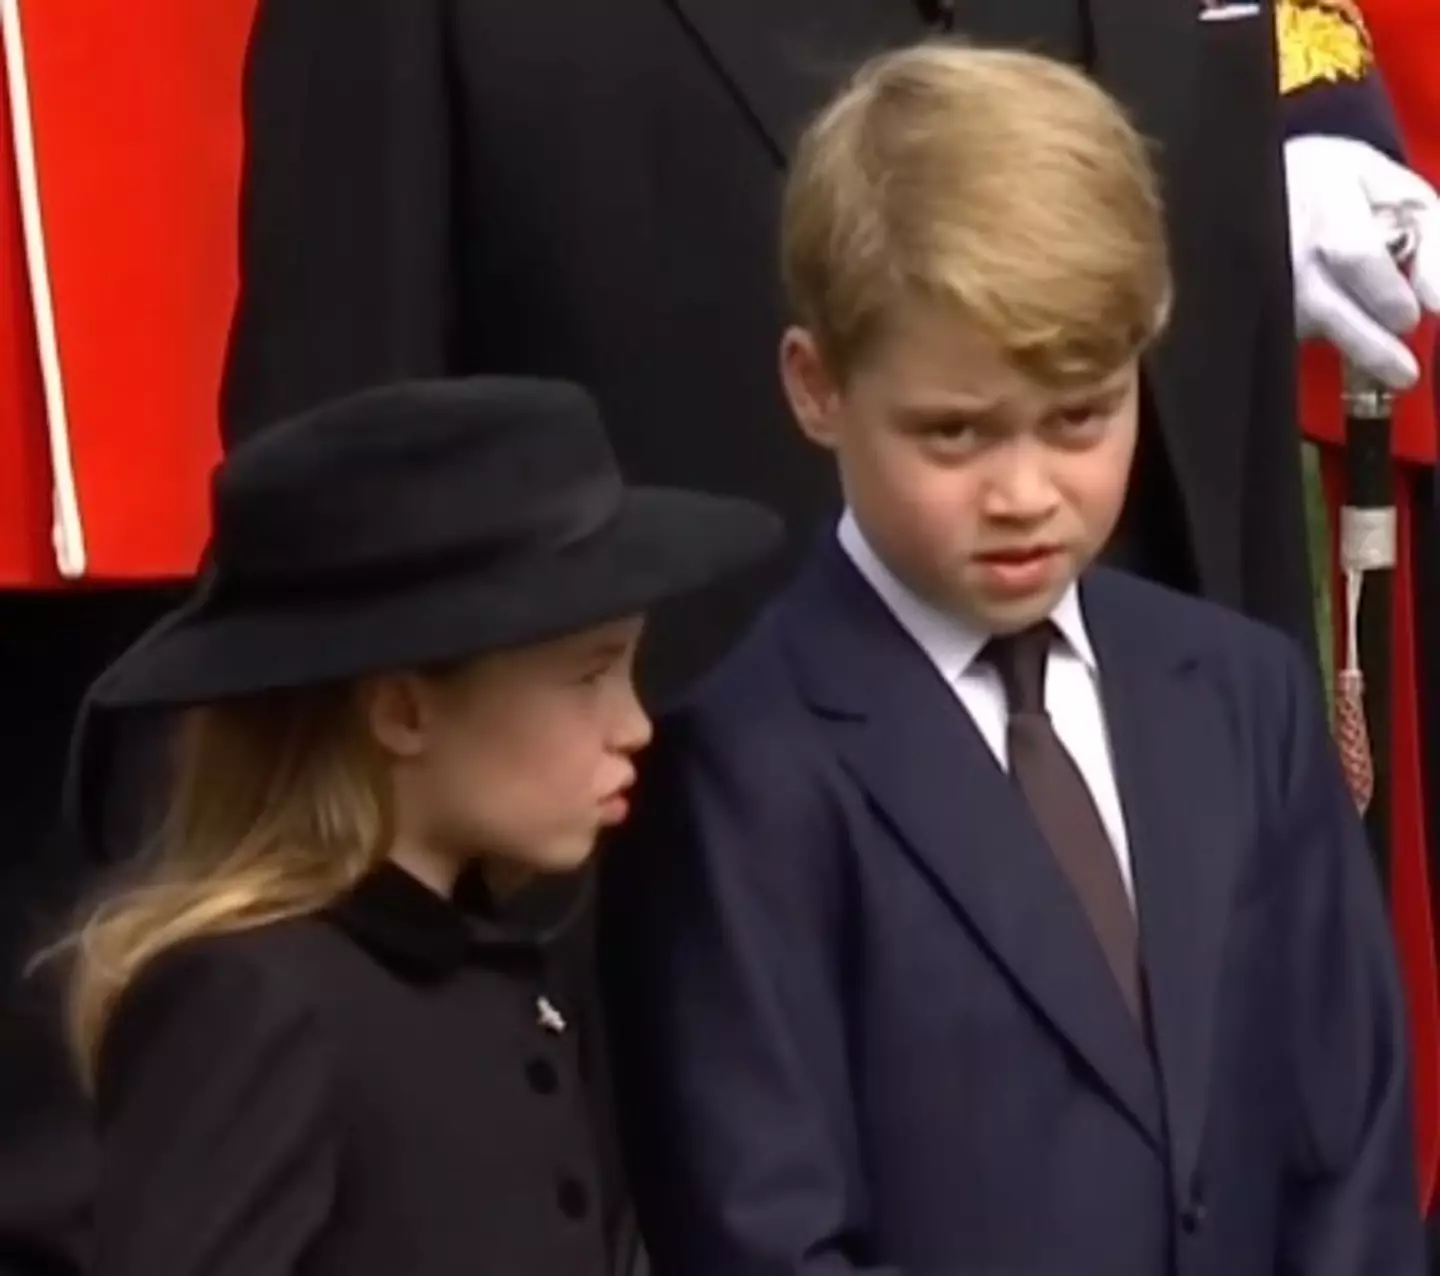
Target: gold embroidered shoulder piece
x: 1321, y: 41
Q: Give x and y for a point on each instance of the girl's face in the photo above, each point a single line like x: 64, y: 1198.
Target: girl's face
x: 518, y: 757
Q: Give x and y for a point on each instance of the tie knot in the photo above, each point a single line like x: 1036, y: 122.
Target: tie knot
x: 1019, y: 659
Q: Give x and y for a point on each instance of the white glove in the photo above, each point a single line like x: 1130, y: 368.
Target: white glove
x: 1347, y: 288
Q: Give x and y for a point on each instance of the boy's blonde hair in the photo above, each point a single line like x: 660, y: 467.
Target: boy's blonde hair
x: 1003, y: 185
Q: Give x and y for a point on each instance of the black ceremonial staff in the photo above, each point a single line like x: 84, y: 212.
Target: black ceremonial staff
x: 1367, y: 564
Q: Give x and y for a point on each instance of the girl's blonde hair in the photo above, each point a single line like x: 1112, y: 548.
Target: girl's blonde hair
x: 278, y: 804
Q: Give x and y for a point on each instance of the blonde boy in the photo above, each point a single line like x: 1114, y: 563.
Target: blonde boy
x: 987, y: 911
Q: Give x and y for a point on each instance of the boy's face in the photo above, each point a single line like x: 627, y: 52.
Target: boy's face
x: 983, y: 490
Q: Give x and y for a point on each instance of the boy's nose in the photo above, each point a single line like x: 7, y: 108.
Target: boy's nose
x: 1021, y: 492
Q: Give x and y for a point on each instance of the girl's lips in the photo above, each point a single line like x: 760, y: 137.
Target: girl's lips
x: 614, y: 809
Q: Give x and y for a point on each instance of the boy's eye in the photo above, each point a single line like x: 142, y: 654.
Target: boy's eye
x: 934, y: 423
x: 948, y: 428
x: 1083, y: 419
x: 951, y: 430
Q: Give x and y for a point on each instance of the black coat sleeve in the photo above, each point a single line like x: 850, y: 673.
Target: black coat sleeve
x: 345, y: 223
x: 217, y: 1155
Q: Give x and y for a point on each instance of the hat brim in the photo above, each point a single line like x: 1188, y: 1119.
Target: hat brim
x: 661, y: 544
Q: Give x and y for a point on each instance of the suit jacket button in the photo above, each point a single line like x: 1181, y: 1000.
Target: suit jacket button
x: 1193, y: 1217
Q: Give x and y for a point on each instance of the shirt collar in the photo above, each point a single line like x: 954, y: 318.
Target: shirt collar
x: 951, y: 643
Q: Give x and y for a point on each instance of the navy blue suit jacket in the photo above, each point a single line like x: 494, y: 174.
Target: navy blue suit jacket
x: 861, y: 1024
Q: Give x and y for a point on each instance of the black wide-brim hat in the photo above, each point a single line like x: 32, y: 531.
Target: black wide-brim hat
x: 421, y: 523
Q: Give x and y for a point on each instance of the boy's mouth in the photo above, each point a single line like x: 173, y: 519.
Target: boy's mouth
x: 1019, y: 555
x: 1018, y: 572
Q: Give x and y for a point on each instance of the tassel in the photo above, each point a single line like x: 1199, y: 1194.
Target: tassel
x: 1352, y: 735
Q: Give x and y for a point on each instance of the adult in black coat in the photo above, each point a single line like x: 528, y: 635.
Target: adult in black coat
x: 440, y: 186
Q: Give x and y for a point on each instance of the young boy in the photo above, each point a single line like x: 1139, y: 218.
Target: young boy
x: 989, y: 913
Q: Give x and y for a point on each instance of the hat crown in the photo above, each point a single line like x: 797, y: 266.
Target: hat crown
x: 412, y: 477
x: 420, y: 524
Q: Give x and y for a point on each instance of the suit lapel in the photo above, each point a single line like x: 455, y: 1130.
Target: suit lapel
x: 1180, y: 822
x: 781, y: 59
x: 912, y: 747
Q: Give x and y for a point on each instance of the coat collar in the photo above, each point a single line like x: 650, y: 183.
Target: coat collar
x: 425, y: 936
x: 909, y: 743
x: 952, y: 644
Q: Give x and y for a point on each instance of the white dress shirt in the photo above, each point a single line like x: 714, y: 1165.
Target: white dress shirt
x: 1072, y: 682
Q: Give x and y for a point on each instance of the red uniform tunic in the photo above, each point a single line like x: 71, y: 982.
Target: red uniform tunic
x: 119, y: 169
x: 1404, y: 35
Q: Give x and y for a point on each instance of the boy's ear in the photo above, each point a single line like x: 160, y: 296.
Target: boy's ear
x: 810, y: 388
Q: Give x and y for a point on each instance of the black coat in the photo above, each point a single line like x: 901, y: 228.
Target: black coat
x: 590, y: 190
x: 375, y: 1090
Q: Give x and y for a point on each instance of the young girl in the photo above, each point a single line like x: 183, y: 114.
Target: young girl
x: 314, y: 1045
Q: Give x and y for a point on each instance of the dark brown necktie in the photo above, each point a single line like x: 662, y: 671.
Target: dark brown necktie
x: 1061, y: 803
